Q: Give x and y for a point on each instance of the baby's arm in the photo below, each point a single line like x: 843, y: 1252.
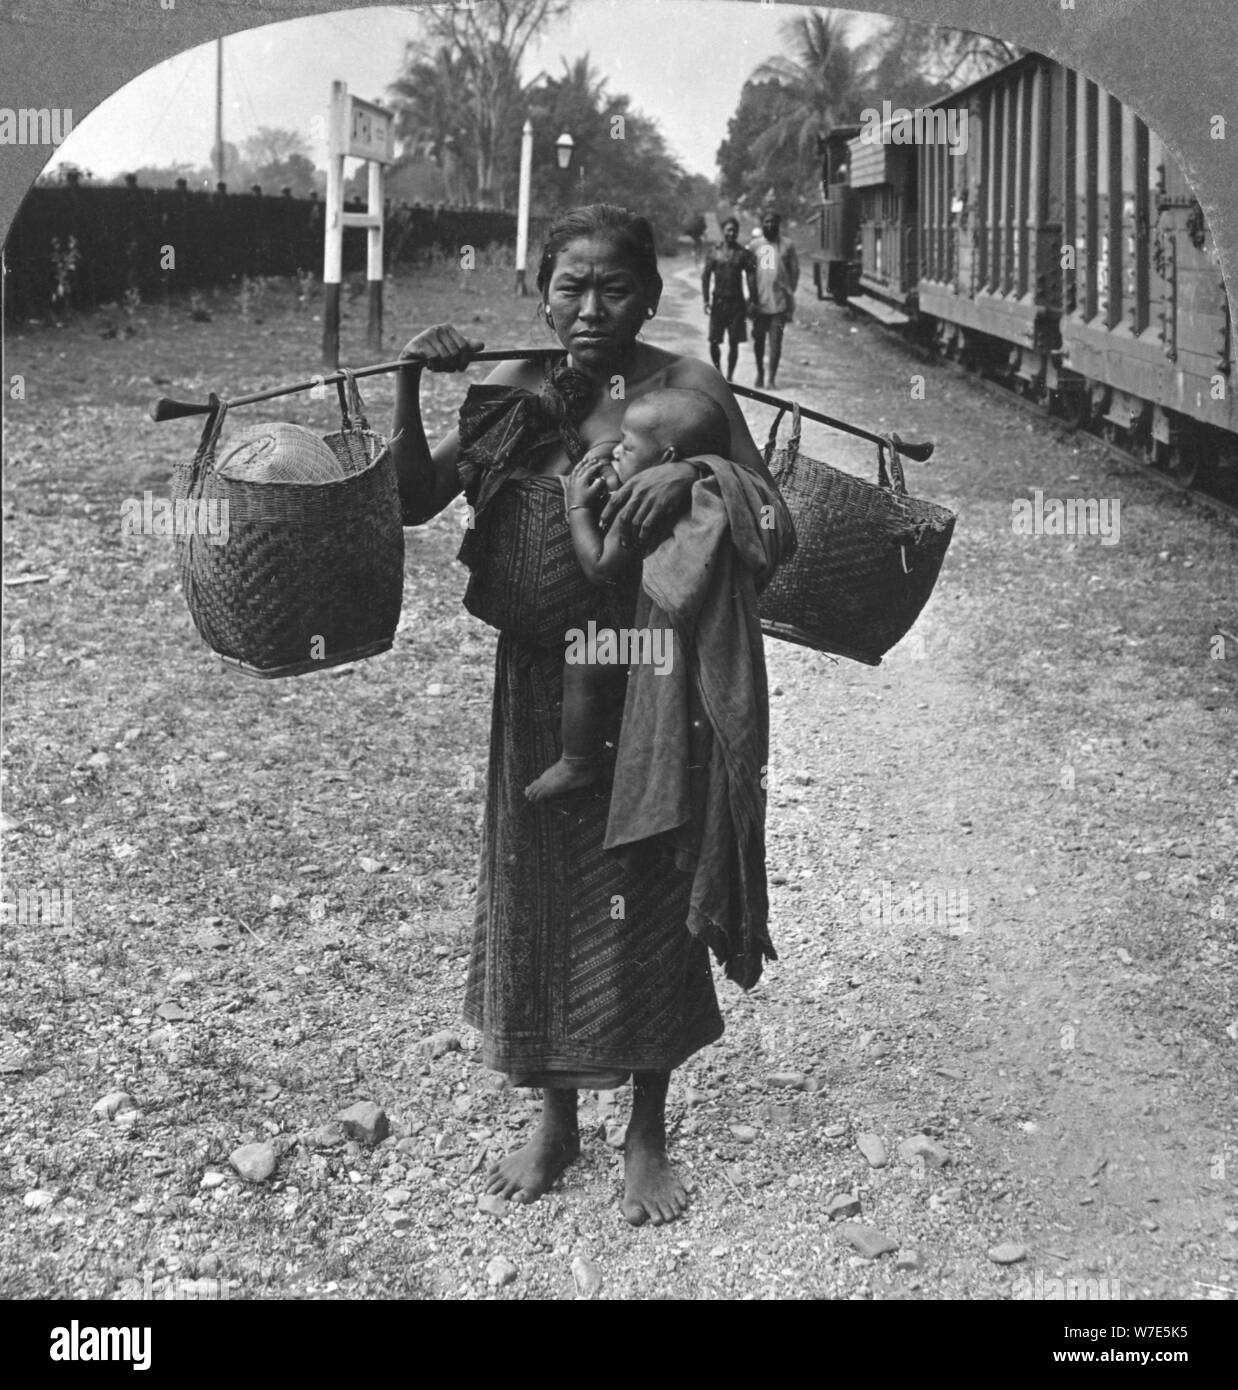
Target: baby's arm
x: 613, y: 558
x: 585, y: 493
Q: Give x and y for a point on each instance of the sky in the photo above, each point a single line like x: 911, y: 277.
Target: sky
x: 683, y: 62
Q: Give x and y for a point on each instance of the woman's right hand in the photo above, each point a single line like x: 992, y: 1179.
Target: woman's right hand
x: 443, y: 347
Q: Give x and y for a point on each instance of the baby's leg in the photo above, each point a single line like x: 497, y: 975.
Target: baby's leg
x: 584, y: 700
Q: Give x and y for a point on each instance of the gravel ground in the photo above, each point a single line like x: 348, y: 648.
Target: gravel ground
x: 998, y: 1046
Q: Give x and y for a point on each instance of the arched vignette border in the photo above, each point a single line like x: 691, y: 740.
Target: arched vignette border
x: 1174, y: 61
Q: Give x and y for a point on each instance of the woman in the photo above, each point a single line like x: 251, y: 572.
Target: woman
x: 582, y: 972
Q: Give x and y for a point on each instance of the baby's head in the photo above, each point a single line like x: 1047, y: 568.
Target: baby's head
x: 674, y: 423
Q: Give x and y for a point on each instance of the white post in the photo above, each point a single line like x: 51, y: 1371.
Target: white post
x: 333, y: 249
x: 374, y: 255
x: 522, y: 213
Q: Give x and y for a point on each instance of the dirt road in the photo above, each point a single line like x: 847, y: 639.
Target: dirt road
x: 1009, y: 902
x: 1002, y: 867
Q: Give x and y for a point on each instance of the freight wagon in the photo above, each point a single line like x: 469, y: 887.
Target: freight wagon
x: 835, y: 265
x: 1058, y: 246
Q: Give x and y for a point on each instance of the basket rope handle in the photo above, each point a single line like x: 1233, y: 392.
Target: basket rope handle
x: 204, y: 458
x: 899, y: 484
x: 352, y: 408
x: 793, y: 443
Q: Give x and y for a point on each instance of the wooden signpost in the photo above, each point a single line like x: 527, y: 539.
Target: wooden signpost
x: 362, y: 130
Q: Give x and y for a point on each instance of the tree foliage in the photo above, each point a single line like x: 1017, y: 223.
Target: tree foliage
x: 824, y: 78
x: 460, y: 104
x: 619, y: 154
x: 461, y: 93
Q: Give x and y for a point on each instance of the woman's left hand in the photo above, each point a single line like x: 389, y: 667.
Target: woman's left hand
x: 648, y: 505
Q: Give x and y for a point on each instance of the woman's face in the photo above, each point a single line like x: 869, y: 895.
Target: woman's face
x: 597, y: 301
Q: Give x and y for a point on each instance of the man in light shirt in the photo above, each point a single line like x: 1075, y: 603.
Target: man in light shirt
x: 778, y: 273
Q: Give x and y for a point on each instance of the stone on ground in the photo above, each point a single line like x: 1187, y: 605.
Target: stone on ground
x: 112, y: 1104
x: 254, y: 1162
x: 869, y: 1241
x: 587, y: 1276
x: 873, y: 1149
x: 365, y: 1122
x: 1008, y: 1253
x: 841, y: 1205
x: 920, y: 1146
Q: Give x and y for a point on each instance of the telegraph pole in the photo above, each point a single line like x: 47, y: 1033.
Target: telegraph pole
x: 219, y: 110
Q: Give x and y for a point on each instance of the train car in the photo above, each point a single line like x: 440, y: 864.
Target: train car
x: 1146, y: 337
x: 1057, y: 244
x: 835, y: 263
x: 883, y: 175
x: 991, y: 221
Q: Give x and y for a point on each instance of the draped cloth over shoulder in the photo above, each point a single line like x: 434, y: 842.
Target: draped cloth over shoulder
x: 690, y: 767
x: 514, y: 586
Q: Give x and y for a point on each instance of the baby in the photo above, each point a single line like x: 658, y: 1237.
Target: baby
x: 658, y: 427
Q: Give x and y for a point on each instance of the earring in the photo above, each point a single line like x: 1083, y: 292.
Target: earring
x: 649, y: 313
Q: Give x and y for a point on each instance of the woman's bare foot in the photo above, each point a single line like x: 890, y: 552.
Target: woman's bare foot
x: 567, y: 775
x: 652, y: 1190
x: 524, y: 1175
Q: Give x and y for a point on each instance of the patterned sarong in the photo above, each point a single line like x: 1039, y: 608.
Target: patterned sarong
x: 577, y: 965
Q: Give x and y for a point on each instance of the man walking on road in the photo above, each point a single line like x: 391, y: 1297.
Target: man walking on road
x: 778, y: 273
x: 729, y: 265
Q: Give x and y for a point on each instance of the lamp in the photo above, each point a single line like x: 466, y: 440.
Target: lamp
x: 564, y: 146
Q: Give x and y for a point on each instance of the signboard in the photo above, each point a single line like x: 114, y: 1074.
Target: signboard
x: 360, y: 130
x: 370, y: 132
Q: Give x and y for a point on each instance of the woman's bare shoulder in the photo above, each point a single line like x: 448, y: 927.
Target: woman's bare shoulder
x: 658, y: 367
x: 693, y: 374
x: 528, y: 375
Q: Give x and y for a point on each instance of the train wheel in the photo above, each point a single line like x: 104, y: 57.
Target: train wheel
x: 1225, y: 477
x: 1074, y: 408
x: 1190, y: 460
x: 1143, y: 446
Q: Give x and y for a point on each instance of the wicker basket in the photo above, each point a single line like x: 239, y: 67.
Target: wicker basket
x: 867, y: 558
x: 311, y: 574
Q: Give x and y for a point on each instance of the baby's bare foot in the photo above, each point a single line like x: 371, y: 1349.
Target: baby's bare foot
x: 567, y: 775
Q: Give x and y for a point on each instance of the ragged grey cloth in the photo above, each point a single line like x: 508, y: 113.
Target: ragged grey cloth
x: 691, y: 762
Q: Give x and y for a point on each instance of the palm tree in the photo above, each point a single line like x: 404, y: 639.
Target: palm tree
x: 489, y: 43
x: 428, y: 99
x: 826, y: 82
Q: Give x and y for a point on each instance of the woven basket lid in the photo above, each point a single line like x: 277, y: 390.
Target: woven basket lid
x: 279, y: 453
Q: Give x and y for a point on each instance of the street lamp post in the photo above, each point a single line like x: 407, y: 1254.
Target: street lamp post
x: 564, y: 148
x: 522, y: 212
